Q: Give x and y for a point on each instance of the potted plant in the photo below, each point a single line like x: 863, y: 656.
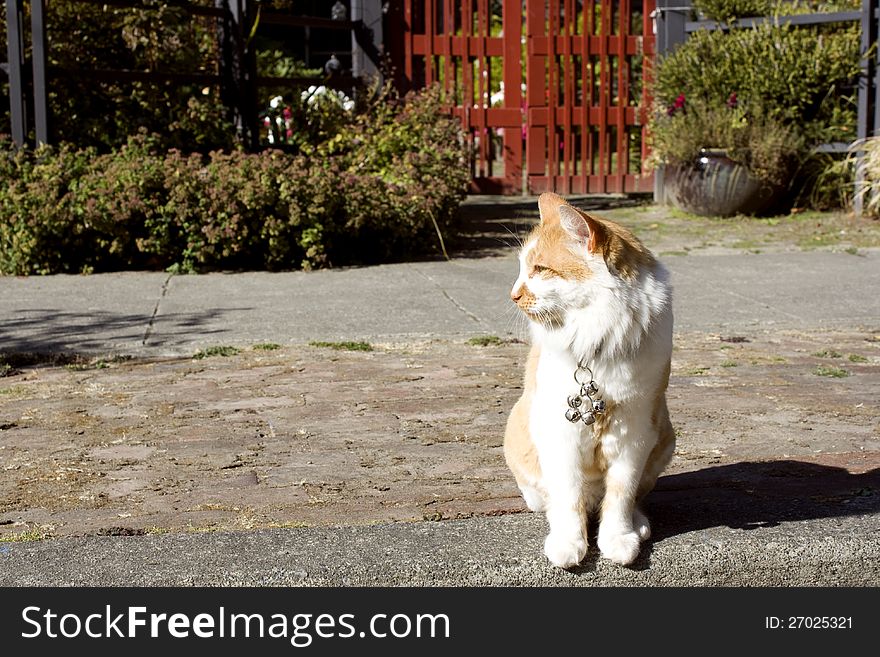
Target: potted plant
x: 727, y: 160
x: 739, y: 113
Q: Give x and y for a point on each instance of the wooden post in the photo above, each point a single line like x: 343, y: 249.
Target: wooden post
x: 536, y: 99
x: 513, y: 141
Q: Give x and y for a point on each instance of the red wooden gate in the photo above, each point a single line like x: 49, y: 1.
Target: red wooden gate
x: 561, y: 77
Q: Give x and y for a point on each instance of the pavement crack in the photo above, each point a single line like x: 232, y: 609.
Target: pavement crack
x: 446, y: 294
x: 744, y: 297
x: 149, y: 332
x: 460, y: 307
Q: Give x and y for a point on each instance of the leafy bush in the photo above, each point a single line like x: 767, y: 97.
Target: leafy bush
x: 825, y: 182
x: 711, y: 93
x: 39, y: 227
x: 729, y: 10
x: 767, y: 147
x: 802, y: 79
x: 373, y: 191
x: 90, y: 111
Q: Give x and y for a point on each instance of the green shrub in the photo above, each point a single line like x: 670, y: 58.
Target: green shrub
x: 121, y: 197
x: 767, y: 147
x: 41, y: 225
x: 825, y: 182
x: 372, y: 192
x: 729, y: 10
x: 802, y: 80
x: 156, y: 37
x: 768, y: 95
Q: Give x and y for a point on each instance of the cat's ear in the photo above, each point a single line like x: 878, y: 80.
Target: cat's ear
x: 548, y: 206
x: 581, y: 227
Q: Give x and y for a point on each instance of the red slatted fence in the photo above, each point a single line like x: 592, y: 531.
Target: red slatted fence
x: 552, y: 88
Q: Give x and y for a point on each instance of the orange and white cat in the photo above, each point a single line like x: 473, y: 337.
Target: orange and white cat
x: 595, y: 296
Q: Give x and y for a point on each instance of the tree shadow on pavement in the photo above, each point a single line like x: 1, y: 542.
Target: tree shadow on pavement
x: 51, y: 331
x: 494, y: 225
x: 751, y: 495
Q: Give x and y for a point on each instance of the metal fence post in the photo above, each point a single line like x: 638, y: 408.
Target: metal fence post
x: 367, y: 37
x: 670, y: 17
x: 38, y: 42
x: 15, y: 59
x: 237, y: 71
x: 250, y: 102
x: 871, y: 27
x: 868, y: 107
x: 226, y: 62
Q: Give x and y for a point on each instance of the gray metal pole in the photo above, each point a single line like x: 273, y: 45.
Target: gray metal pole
x: 868, y: 90
x: 238, y: 71
x: 370, y: 13
x: 38, y: 41
x: 669, y: 25
x: 15, y: 57
x: 870, y: 7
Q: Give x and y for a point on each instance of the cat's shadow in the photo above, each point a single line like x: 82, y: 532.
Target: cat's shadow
x: 748, y: 496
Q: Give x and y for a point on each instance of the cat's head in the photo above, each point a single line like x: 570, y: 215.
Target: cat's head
x: 570, y: 258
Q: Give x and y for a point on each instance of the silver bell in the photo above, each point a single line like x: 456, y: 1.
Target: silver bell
x: 572, y: 415
x: 588, y: 419
x: 592, y: 388
x: 599, y: 406
x: 574, y: 401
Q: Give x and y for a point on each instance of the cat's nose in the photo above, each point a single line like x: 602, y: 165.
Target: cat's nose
x: 517, y: 294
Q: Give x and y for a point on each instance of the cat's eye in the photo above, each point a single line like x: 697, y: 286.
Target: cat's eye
x: 537, y: 269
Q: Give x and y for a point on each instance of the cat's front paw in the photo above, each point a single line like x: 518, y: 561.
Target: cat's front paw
x: 620, y: 548
x: 565, y: 551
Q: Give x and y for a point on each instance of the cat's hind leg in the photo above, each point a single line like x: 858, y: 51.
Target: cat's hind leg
x: 522, y: 459
x: 657, y: 461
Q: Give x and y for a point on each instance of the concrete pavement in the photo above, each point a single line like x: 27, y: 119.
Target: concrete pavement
x: 501, y: 551
x: 156, y: 314
x: 795, y: 538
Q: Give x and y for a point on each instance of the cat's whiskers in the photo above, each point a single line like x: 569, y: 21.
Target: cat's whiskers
x: 522, y: 323
x: 519, y: 240
x: 516, y: 321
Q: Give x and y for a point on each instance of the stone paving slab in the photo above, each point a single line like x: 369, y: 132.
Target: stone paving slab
x: 306, y: 436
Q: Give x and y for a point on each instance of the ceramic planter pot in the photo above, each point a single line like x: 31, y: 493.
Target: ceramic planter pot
x: 716, y: 186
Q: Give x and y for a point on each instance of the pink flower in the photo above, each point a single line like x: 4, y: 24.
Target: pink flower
x: 677, y: 105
